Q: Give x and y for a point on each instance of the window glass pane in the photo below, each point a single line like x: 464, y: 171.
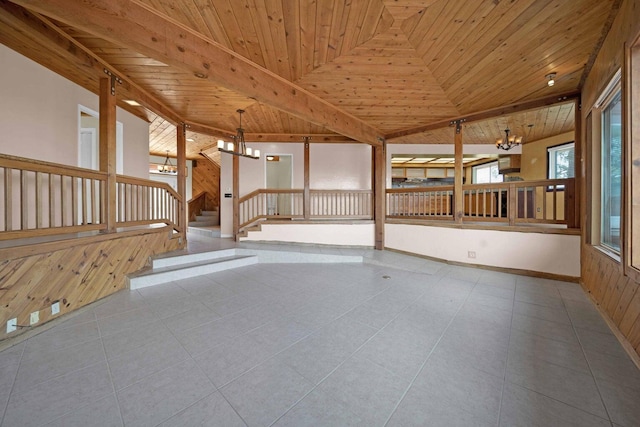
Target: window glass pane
x: 611, y: 173
x: 561, y: 159
x: 487, y: 173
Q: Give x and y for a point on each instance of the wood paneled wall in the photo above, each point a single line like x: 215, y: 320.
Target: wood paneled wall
x: 206, y: 177
x: 617, y: 294
x: 75, y: 273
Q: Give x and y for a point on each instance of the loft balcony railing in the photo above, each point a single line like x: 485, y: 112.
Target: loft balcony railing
x: 276, y: 204
x: 532, y: 203
x: 42, y: 198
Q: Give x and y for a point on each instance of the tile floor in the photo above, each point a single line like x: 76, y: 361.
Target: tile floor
x: 395, y: 341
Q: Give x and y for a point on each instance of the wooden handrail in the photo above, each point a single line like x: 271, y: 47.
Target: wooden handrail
x: 51, y: 198
x: 516, y: 202
x: 324, y: 204
x: 123, y: 179
x: 198, y: 196
x: 196, y: 205
x: 421, y: 189
x: 22, y: 163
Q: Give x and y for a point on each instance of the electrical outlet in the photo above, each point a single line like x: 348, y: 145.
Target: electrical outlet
x: 55, y: 308
x: 471, y: 254
x: 12, y: 325
x: 34, y: 318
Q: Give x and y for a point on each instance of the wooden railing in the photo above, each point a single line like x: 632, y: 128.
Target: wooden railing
x: 289, y: 204
x: 543, y: 202
x: 42, y: 198
x: 420, y: 203
x: 343, y: 204
x: 197, y: 204
x: 143, y: 202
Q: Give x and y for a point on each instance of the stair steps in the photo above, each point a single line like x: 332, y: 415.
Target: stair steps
x: 183, y: 266
x: 167, y: 269
x: 206, y: 219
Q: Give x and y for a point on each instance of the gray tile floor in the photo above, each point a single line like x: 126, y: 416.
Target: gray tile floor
x: 397, y: 341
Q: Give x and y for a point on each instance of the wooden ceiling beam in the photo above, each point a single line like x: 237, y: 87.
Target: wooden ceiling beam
x: 142, y: 29
x: 268, y: 137
x: 47, y: 34
x: 487, y: 114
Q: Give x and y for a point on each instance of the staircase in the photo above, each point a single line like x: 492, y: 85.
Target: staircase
x: 184, y: 265
x: 189, y: 265
x: 206, y: 219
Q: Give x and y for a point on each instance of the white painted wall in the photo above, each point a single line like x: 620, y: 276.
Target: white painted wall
x: 324, y: 234
x: 548, y: 253
x: 39, y: 116
x: 340, y: 166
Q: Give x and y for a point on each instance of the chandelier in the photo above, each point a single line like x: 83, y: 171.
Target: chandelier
x: 238, y: 147
x: 509, y: 141
x: 167, y: 167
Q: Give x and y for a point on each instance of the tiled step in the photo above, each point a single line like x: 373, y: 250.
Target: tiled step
x: 211, y: 231
x: 190, y: 267
x: 182, y: 266
x: 204, y: 223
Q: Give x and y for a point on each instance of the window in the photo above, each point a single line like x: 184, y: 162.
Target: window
x: 560, y: 160
x: 487, y: 173
x: 611, y: 175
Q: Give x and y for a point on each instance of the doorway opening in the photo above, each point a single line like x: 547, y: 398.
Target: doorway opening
x: 279, y: 176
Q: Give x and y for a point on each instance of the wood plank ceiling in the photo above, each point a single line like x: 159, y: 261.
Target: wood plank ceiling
x: 394, y: 65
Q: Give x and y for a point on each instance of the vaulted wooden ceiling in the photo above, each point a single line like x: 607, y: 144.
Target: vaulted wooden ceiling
x: 338, y: 70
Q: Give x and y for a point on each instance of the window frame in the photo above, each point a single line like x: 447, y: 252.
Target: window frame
x: 610, y: 92
x: 630, y: 151
x: 554, y: 149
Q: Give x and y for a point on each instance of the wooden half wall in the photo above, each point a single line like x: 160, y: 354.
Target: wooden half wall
x: 73, y: 272
x: 613, y: 288
x: 206, y: 178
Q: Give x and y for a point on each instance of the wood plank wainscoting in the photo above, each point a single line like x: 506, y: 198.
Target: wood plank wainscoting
x: 206, y: 178
x: 616, y: 295
x: 74, y: 272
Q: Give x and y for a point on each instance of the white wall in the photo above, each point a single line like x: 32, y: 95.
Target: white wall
x: 548, y: 253
x: 340, y: 166
x: 324, y: 234
x: 39, y: 116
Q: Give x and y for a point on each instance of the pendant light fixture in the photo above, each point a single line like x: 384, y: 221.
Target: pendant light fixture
x: 238, y: 147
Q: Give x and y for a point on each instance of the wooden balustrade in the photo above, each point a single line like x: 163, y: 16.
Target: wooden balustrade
x: 142, y: 202
x: 522, y: 202
x: 427, y: 202
x: 42, y: 198
x: 545, y: 202
x: 197, y: 204
x: 343, y: 204
x: 289, y: 204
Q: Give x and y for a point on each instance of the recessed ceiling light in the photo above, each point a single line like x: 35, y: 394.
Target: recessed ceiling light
x: 190, y: 139
x: 133, y: 103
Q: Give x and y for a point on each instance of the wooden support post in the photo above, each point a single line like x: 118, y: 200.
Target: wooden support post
x: 307, y: 191
x: 512, y: 200
x: 108, y: 148
x: 236, y: 196
x: 181, y: 147
x: 379, y: 193
x: 458, y: 196
x: 577, y: 161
